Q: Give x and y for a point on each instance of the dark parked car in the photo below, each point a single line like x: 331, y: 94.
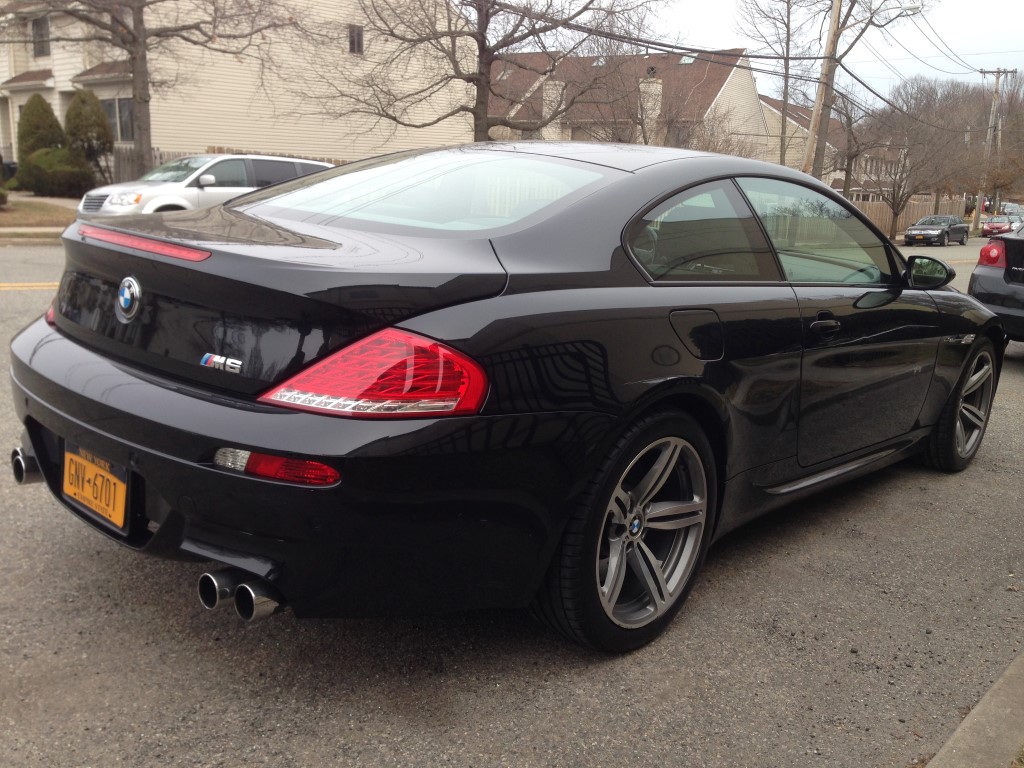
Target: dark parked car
x: 501, y: 374
x: 938, y: 230
x: 998, y: 281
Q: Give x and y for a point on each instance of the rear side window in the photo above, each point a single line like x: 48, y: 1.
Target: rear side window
x: 703, y: 233
x: 817, y: 239
x: 229, y: 173
x: 272, y: 171
x: 307, y: 168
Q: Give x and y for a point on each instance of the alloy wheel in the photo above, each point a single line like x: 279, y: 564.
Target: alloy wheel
x: 975, y: 401
x: 652, y: 531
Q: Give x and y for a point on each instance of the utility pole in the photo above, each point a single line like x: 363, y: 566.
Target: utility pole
x: 989, y: 137
x: 825, y: 79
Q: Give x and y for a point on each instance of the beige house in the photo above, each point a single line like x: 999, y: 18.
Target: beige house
x: 707, y: 101
x: 201, y: 99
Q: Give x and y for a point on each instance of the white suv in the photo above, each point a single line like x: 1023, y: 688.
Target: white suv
x: 195, y: 182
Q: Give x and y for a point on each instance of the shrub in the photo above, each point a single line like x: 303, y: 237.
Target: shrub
x: 3, y: 198
x: 56, y: 173
x: 38, y: 128
x: 88, y: 130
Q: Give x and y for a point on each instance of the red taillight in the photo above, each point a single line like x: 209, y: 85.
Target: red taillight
x: 391, y: 374
x: 291, y: 470
x: 302, y: 471
x: 51, y: 314
x: 993, y: 254
x: 146, y: 244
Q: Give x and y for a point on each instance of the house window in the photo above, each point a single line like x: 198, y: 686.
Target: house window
x: 355, y: 38
x: 119, y: 115
x: 41, y: 37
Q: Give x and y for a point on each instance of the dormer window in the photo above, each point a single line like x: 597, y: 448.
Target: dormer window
x: 40, y: 37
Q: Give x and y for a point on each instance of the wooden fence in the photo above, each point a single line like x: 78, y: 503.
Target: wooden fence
x: 880, y: 214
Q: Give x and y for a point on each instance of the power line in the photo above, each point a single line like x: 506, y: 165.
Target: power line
x: 938, y: 69
x: 955, y: 58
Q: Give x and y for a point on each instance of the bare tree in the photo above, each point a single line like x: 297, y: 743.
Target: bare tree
x: 493, y: 63
x: 137, y: 29
x: 781, y: 27
x: 919, y: 152
x: 850, y: 20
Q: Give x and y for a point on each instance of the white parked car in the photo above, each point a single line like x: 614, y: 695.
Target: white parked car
x: 195, y: 181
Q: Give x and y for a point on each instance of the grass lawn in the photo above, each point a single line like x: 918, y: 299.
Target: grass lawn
x: 20, y: 212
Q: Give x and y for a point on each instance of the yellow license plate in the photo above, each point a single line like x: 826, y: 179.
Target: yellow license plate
x: 920, y: 237
x: 96, y: 484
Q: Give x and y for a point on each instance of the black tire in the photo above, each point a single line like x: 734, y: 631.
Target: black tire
x: 963, y: 240
x: 944, y: 240
x: 961, y: 426
x: 636, y: 539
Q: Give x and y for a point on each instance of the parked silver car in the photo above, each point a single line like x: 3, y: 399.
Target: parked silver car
x: 195, y: 181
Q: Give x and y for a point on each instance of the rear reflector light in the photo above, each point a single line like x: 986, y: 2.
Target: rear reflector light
x: 146, y: 244
x: 303, y: 471
x: 993, y: 254
x: 391, y: 374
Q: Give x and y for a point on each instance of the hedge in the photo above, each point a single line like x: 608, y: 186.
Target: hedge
x: 55, y: 173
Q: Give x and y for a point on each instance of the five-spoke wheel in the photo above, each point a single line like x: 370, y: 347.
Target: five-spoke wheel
x: 961, y: 427
x: 634, y: 544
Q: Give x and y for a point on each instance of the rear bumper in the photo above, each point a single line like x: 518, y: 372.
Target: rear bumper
x: 989, y: 286
x: 430, y: 515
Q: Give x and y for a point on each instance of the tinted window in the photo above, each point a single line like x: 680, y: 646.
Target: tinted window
x: 229, y: 173
x: 704, y: 233
x: 817, y: 239
x: 272, y: 171
x: 307, y: 168
x: 461, y: 190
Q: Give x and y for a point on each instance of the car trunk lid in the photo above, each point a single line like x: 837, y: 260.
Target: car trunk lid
x: 263, y: 304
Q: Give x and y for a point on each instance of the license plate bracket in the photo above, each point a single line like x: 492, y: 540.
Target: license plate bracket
x: 96, y: 485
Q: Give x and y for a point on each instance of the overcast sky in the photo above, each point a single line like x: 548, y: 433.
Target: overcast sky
x: 985, y: 36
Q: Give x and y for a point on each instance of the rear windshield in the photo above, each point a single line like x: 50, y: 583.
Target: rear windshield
x: 466, y: 190
x: 176, y: 170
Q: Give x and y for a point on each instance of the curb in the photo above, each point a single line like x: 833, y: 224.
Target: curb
x: 992, y: 735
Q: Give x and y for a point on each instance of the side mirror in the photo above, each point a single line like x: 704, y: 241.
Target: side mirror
x: 207, y: 180
x: 927, y: 273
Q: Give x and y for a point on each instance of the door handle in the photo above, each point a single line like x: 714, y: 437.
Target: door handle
x: 826, y: 325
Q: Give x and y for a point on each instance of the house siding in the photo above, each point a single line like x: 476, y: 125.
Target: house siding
x: 210, y: 99
x: 739, y: 107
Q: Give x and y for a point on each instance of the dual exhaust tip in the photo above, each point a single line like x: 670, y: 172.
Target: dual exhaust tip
x: 253, y: 598
x: 25, y: 467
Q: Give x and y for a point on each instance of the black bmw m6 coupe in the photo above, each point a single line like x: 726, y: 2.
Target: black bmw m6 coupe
x: 532, y: 374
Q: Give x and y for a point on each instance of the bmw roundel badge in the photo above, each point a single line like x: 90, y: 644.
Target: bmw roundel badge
x: 129, y: 299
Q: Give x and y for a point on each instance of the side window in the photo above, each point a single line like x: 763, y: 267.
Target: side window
x: 230, y: 173
x: 817, y: 239
x: 307, y: 168
x: 272, y: 171
x: 703, y: 233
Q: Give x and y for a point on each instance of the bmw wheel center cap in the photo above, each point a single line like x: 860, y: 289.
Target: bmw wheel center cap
x: 129, y: 299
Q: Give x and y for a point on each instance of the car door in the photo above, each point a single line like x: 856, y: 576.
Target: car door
x: 870, y: 343
x: 231, y: 180
x: 716, y: 277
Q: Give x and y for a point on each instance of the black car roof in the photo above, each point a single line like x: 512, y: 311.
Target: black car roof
x: 623, y: 157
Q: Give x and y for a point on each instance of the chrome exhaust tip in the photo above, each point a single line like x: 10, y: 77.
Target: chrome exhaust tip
x: 25, y: 467
x: 218, y: 587
x: 256, y: 600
